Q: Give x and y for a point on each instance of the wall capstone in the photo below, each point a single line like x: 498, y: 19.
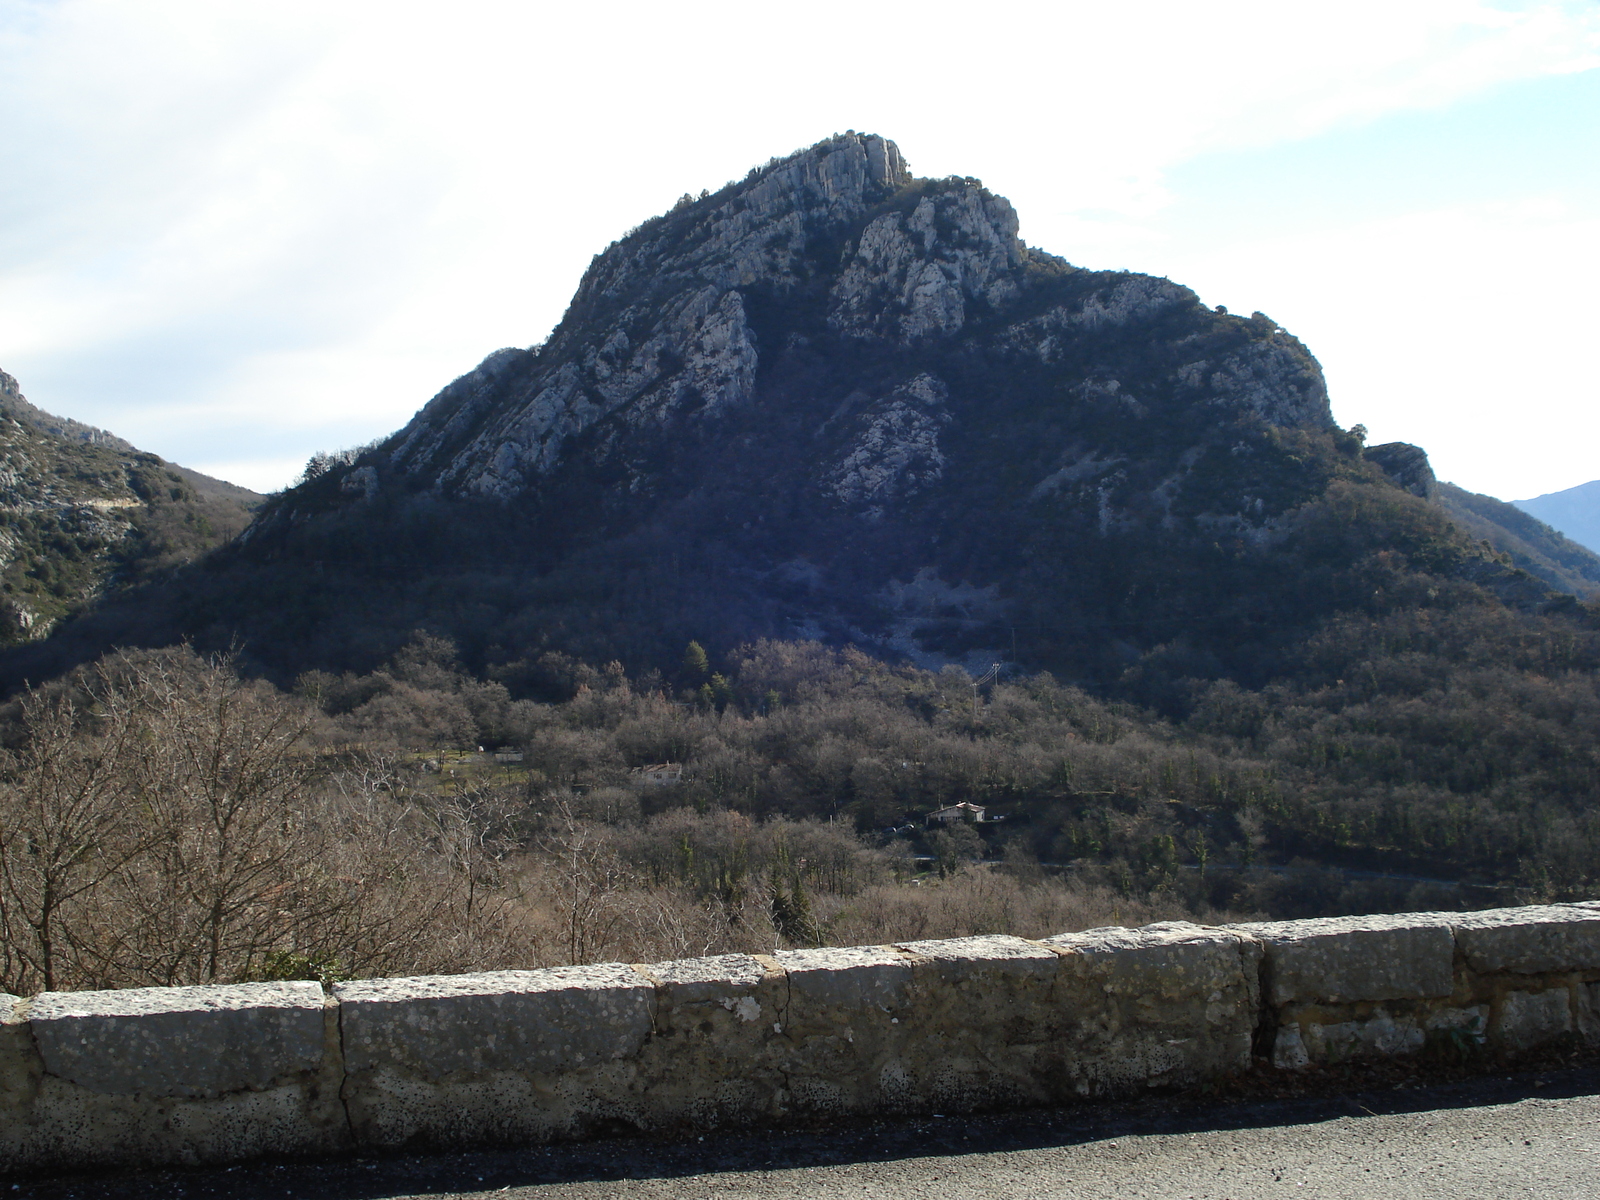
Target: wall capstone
x: 177, y: 1075
x: 1531, y: 941
x: 1341, y: 959
x: 1171, y: 1003
x: 234, y: 1038
x: 516, y: 1055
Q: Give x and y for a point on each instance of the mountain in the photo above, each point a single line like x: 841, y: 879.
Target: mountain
x: 1575, y: 512
x: 1525, y: 542
x: 836, y: 400
x: 83, y: 512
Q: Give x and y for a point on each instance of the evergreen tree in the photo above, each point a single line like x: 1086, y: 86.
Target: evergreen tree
x: 695, y: 661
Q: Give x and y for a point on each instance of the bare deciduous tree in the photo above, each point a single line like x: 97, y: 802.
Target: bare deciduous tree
x: 69, y: 820
x: 166, y: 824
x: 590, y: 880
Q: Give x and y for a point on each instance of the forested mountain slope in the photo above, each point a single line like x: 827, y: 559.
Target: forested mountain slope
x: 1522, y: 540
x: 83, y: 512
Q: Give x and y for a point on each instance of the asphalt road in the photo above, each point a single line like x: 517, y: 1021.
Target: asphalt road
x: 1535, y: 1135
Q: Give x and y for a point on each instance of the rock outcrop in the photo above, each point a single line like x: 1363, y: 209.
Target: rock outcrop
x: 672, y: 336
x: 1406, y: 465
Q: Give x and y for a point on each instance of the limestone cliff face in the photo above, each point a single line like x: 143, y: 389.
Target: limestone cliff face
x: 916, y: 277
x: 658, y: 326
x: 661, y: 332
x: 894, y: 448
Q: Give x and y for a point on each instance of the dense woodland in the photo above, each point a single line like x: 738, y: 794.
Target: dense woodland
x: 1397, y: 751
x: 164, y: 820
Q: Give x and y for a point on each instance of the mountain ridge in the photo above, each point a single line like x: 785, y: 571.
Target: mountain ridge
x: 1574, y: 511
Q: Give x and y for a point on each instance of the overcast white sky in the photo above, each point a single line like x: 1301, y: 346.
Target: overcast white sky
x: 235, y: 233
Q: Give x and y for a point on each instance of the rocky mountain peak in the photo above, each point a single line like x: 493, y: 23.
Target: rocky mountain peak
x: 836, y: 400
x: 1406, y: 465
x: 660, y: 326
x: 850, y: 247
x: 822, y: 384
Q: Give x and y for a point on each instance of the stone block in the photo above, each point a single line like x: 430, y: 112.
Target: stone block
x: 182, y: 1041
x: 1340, y: 960
x: 1312, y: 1036
x: 19, y: 1057
x: 995, y: 989
x: 432, y: 1027
x: 20, y: 1074
x: 842, y: 1027
x: 1289, y: 1049
x: 1380, y: 1035
x: 194, y: 1075
x: 1471, y: 1020
x: 701, y: 980
x: 851, y: 979
x: 981, y: 1026
x: 706, y: 1062
x: 1169, y: 959
x: 493, y: 1058
x: 1529, y: 1019
x: 1536, y: 940
x: 962, y: 961
x: 1161, y: 1005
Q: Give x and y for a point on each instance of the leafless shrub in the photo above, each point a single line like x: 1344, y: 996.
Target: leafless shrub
x: 983, y: 901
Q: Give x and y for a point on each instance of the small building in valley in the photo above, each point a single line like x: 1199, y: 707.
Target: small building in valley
x: 657, y: 774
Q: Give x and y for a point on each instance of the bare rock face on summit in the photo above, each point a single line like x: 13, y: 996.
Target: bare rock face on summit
x: 661, y: 327
x: 838, y: 400
x: 669, y: 333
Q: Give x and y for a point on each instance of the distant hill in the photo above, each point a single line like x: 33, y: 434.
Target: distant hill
x: 1575, y: 512
x: 84, y: 513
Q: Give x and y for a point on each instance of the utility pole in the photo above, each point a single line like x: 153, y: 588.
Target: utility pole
x: 988, y: 676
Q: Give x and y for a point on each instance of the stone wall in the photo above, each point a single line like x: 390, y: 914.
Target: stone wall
x: 222, y: 1074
